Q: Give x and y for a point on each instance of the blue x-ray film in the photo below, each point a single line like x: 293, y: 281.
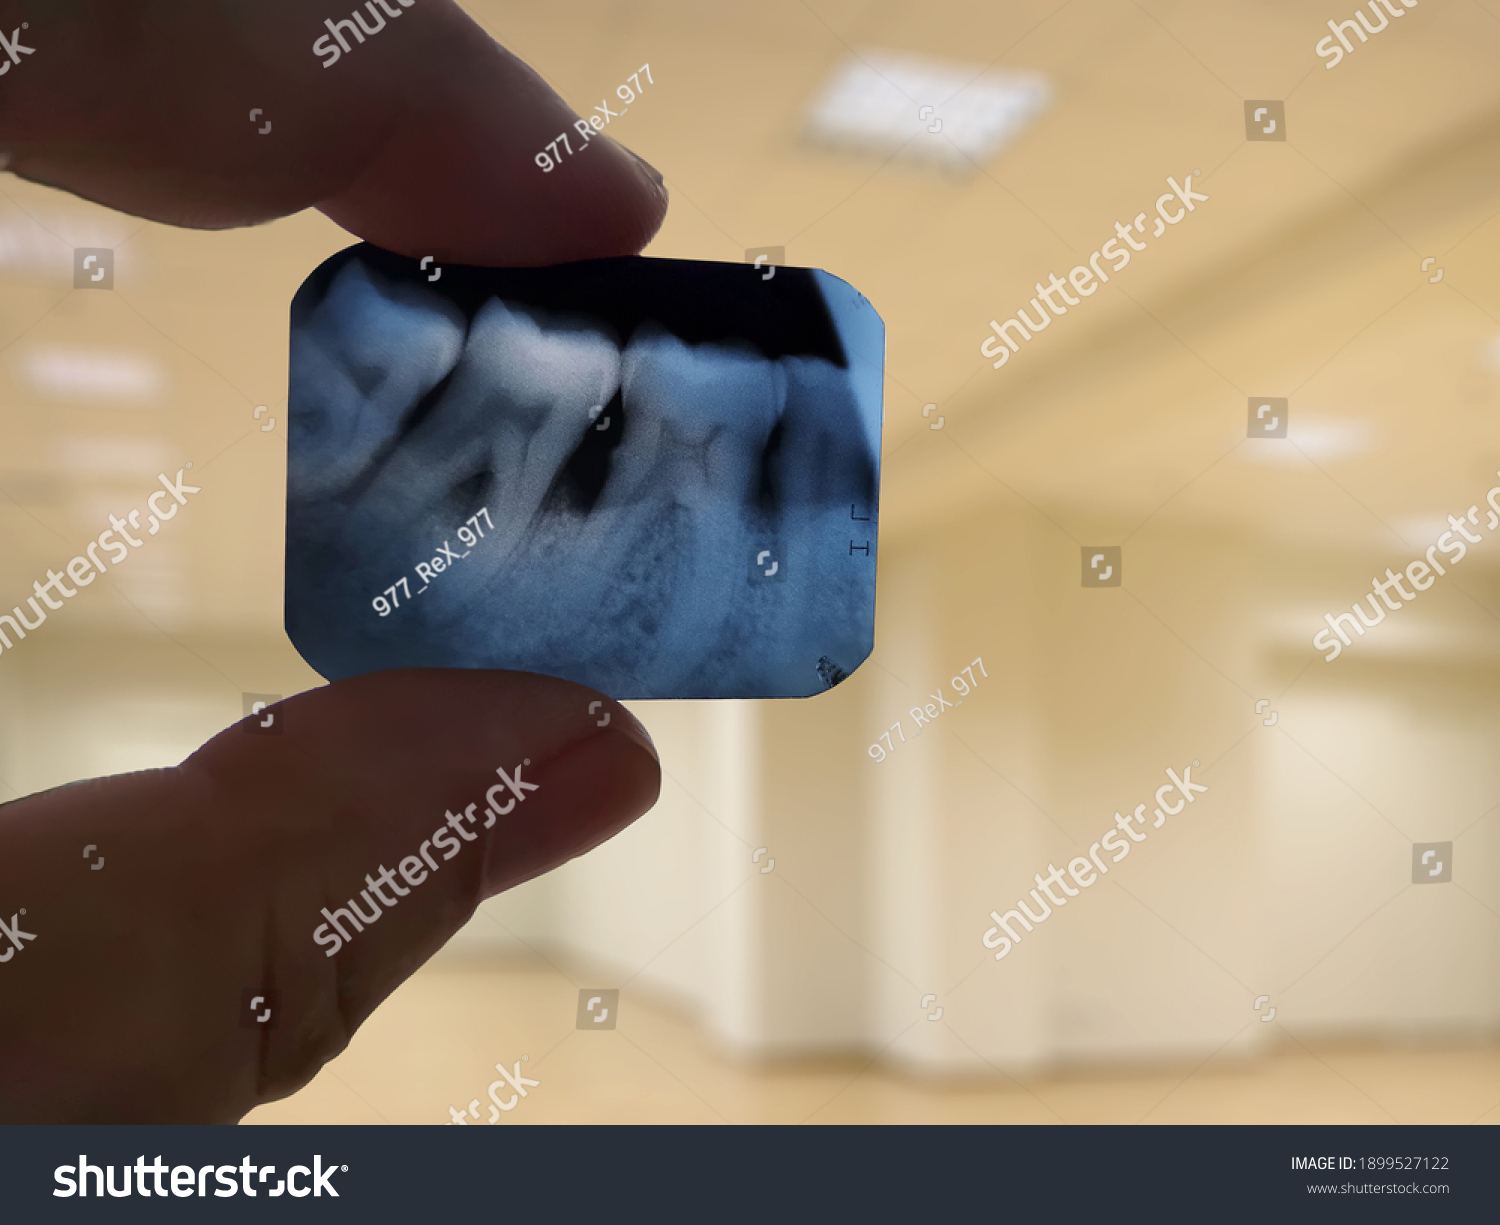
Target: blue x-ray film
x: 659, y: 478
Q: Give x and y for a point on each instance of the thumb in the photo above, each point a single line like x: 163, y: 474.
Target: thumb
x: 127, y: 998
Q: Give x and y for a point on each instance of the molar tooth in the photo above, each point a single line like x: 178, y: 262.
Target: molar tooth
x: 516, y: 407
x: 364, y: 355
x: 697, y: 417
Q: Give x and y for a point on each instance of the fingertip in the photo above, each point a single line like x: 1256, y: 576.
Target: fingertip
x: 593, y: 790
x: 459, y: 171
x: 636, y: 730
x: 486, y: 210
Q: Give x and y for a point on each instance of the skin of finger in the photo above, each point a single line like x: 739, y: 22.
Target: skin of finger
x: 460, y: 172
x: 422, y: 136
x: 145, y: 106
x: 126, y: 1007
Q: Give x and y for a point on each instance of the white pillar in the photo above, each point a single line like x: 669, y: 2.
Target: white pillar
x: 733, y: 937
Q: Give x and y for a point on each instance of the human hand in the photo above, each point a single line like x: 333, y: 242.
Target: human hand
x: 126, y: 1005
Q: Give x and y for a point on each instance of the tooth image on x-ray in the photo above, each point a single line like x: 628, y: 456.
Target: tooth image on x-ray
x: 658, y: 478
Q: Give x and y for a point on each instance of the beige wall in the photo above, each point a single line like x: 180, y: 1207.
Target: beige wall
x: 1290, y: 877
x: 1124, y: 424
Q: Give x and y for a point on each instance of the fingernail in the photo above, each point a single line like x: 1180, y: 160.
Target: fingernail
x: 651, y: 171
x: 636, y: 730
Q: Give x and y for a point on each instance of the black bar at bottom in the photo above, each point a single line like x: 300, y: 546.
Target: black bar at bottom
x: 713, y: 1174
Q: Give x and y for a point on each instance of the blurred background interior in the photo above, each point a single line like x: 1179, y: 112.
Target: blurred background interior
x: 840, y: 973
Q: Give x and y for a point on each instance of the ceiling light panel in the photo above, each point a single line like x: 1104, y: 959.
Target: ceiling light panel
x: 932, y: 111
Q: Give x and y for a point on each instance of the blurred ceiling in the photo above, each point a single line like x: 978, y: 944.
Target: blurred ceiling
x: 1301, y: 276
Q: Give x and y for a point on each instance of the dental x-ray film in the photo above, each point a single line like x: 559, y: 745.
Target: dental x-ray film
x: 658, y: 478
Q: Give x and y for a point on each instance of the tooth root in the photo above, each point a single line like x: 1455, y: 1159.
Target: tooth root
x: 697, y: 419
x: 825, y: 456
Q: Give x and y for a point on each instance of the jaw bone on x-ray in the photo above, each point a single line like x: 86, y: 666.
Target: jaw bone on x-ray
x: 658, y: 478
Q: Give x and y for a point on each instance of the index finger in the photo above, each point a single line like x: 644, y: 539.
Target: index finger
x: 422, y: 136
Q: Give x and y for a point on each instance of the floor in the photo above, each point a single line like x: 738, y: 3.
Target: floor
x: 433, y: 1045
